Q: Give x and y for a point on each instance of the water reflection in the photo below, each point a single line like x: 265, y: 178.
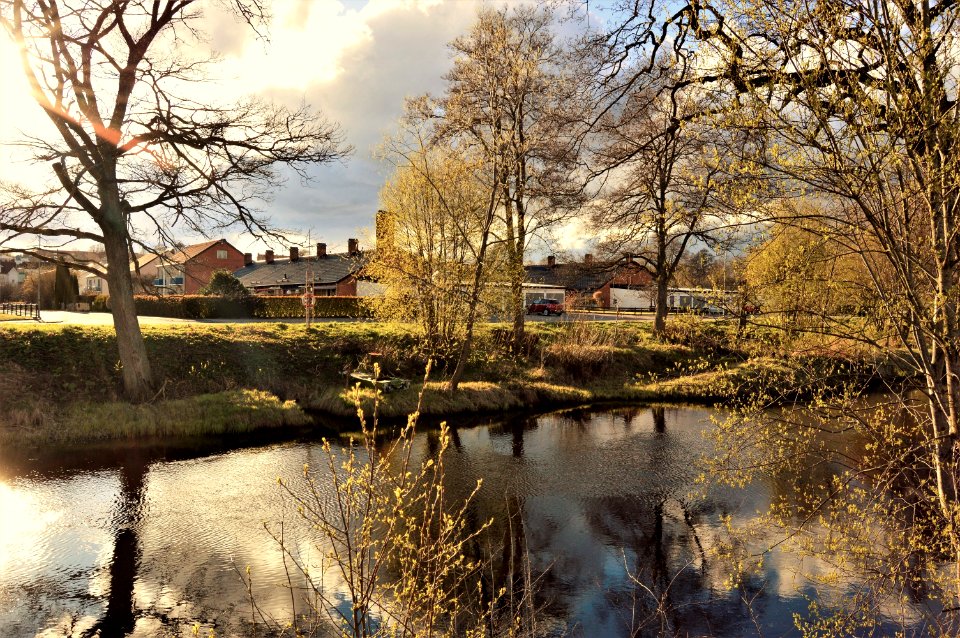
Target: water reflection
x: 119, y: 616
x: 139, y: 541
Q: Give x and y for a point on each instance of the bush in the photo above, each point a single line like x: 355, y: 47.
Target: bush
x: 100, y: 303
x: 224, y: 284
x: 324, y: 307
x: 215, y: 307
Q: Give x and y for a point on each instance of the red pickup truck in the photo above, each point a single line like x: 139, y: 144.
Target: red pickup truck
x: 545, y: 307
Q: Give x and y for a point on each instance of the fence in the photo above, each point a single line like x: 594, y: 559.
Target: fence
x: 20, y: 309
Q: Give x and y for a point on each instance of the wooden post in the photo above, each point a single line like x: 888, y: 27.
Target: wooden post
x: 308, y: 298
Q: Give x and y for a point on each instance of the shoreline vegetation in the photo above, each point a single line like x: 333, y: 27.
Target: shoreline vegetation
x: 61, y: 384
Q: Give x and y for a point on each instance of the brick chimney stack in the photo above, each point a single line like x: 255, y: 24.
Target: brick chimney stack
x: 294, y: 253
x: 551, y: 261
x: 247, y: 259
x: 353, y: 246
x: 269, y: 256
x: 588, y: 259
x: 321, y: 251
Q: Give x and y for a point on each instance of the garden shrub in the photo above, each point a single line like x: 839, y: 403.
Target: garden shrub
x: 217, y: 307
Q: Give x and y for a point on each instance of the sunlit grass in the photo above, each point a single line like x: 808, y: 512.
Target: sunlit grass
x: 65, y: 380
x: 224, y: 412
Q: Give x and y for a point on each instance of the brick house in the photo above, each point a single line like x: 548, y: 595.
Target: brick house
x: 331, y: 274
x: 591, y: 282
x: 187, y: 269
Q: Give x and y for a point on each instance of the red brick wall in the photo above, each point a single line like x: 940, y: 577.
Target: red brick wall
x: 347, y: 287
x: 199, y: 269
x: 629, y: 274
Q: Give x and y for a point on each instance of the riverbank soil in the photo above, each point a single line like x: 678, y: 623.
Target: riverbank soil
x: 63, y: 382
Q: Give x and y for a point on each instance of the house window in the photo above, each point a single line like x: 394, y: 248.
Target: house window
x: 221, y: 254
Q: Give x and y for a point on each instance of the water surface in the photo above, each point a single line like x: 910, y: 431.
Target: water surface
x: 147, y: 541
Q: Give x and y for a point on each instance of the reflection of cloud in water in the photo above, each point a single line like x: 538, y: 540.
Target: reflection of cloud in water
x: 595, y: 489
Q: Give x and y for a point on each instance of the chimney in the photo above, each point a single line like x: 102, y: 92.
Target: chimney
x: 294, y: 253
x: 628, y: 257
x: 353, y: 246
x: 588, y: 259
x: 321, y: 251
x: 551, y: 261
x: 269, y: 256
x: 247, y: 259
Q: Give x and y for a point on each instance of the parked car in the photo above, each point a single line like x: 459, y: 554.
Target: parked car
x: 545, y: 307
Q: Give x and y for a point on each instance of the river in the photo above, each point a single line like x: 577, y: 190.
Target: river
x: 149, y: 540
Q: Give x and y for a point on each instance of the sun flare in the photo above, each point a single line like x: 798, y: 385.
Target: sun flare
x: 21, y: 523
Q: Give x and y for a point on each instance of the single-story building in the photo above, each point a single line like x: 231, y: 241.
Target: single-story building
x: 11, y: 274
x: 591, y: 282
x: 328, y: 274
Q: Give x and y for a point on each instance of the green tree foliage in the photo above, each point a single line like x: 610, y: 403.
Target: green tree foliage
x: 807, y: 278
x: 65, y: 287
x: 224, y: 284
x: 434, y: 233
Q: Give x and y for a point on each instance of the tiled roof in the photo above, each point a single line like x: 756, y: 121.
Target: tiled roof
x: 179, y: 255
x: 145, y: 259
x: 7, y: 266
x: 186, y: 253
x: 283, y: 272
x: 582, y: 277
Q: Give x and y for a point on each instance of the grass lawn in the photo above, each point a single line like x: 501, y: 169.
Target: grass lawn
x: 65, y: 380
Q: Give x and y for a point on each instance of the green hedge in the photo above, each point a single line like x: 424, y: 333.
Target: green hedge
x: 324, y: 307
x: 212, y: 307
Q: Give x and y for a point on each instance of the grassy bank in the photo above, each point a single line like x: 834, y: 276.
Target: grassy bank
x: 62, y: 382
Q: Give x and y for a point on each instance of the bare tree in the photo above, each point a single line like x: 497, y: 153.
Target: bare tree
x: 133, y: 152
x: 668, y: 174
x: 858, y: 104
x: 514, y: 94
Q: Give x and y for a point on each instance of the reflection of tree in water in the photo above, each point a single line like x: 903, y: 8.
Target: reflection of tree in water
x: 664, y: 564
x: 119, y: 618
x: 666, y: 589
x: 659, y: 419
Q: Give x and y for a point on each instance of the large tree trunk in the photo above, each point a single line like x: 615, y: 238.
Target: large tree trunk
x: 135, y: 367
x: 660, y: 314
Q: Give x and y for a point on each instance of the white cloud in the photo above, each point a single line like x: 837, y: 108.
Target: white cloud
x: 354, y: 60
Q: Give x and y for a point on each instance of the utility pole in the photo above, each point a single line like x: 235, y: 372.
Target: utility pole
x: 308, y: 298
x: 38, y: 276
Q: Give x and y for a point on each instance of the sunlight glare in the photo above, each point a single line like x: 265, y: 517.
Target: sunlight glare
x: 21, y: 524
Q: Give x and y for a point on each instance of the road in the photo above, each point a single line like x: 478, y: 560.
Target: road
x: 105, y: 319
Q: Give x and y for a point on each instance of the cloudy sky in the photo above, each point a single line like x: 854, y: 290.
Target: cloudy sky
x: 355, y: 60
